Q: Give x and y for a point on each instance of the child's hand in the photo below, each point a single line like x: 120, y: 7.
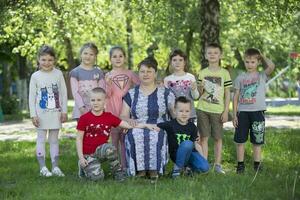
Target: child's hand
x: 63, y: 117
x: 194, y: 86
x: 235, y: 121
x: 152, y: 127
x: 35, y: 121
x: 132, y: 122
x: 83, y: 162
x: 224, y: 117
x: 108, y: 78
x: 82, y: 110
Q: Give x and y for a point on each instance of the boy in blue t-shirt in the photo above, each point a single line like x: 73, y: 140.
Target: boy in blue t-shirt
x: 182, y: 135
x: 249, y: 107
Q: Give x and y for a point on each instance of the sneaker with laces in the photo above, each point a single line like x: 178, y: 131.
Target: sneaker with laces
x: 218, y: 169
x: 240, y: 168
x: 45, y: 172
x: 176, y: 173
x: 57, y: 172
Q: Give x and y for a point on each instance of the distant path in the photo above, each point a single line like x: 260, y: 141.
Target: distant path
x: 24, y: 131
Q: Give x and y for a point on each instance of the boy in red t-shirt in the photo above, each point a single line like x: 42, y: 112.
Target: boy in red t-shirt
x: 92, y: 144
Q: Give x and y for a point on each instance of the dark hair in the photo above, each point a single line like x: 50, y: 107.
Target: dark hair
x: 116, y: 48
x: 98, y: 90
x: 214, y: 45
x: 149, y: 62
x: 45, y: 50
x: 90, y: 45
x: 182, y: 99
x: 252, y: 52
x: 177, y: 52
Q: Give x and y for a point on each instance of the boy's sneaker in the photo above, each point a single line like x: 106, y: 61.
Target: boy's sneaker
x: 176, y: 173
x: 240, y: 168
x: 45, y: 172
x: 188, y: 172
x: 120, y: 175
x: 57, y: 172
x: 218, y: 169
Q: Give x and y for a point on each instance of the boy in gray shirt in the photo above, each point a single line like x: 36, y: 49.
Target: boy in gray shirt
x: 249, y: 106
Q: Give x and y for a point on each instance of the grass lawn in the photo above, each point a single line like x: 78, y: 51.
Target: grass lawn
x: 284, y: 110
x: 19, y: 177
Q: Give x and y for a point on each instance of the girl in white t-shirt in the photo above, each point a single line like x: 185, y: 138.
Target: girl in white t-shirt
x: 180, y: 81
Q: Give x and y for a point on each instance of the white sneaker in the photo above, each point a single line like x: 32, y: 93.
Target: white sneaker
x: 45, y: 172
x: 219, y: 169
x: 57, y: 172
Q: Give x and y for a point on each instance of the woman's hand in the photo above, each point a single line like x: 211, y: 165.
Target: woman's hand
x: 35, y: 121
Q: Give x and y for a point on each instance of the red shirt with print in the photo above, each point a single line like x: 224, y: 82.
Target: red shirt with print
x: 96, y: 129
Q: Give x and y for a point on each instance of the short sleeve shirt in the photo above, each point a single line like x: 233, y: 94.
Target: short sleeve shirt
x: 252, y: 87
x: 215, y: 82
x: 178, y: 133
x: 96, y: 129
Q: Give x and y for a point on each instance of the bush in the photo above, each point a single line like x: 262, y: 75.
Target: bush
x: 10, y: 105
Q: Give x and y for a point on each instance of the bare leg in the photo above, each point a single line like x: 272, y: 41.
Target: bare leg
x: 240, y: 151
x: 218, y: 151
x: 204, y: 144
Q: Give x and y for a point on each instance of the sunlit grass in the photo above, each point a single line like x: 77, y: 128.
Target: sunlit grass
x: 19, y: 175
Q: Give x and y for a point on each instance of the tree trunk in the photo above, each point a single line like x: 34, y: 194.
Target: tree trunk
x: 22, y: 89
x: 129, y: 37
x: 189, y: 42
x: 67, y: 40
x: 210, y: 27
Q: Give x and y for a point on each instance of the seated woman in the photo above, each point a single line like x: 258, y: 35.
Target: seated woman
x: 147, y: 150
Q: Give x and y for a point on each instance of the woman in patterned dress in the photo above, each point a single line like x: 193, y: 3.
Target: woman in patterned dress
x: 147, y: 150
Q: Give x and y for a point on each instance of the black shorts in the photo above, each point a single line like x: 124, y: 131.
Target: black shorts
x: 253, y: 122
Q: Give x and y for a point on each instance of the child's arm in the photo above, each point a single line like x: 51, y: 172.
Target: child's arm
x: 268, y: 65
x: 235, y: 107
x: 198, y: 147
x: 64, y: 103
x: 108, y: 81
x: 75, y: 92
x: 194, y: 91
x: 32, y: 101
x: 79, y: 140
x: 152, y: 127
x: 224, y: 116
x: 125, y: 115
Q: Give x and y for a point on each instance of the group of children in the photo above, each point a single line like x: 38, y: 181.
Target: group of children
x: 98, y: 103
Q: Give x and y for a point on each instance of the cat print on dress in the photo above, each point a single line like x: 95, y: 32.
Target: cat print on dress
x: 44, y: 98
x: 49, y: 97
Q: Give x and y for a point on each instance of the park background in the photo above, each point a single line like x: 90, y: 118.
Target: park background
x: 150, y: 28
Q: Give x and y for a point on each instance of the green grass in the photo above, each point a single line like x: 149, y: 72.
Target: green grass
x: 19, y: 175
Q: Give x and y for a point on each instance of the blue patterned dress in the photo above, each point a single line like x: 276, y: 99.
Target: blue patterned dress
x: 145, y: 149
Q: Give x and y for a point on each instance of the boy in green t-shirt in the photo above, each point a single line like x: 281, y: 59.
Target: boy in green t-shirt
x: 213, y: 107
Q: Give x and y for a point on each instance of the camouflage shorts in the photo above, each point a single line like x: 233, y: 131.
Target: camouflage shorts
x: 93, y: 170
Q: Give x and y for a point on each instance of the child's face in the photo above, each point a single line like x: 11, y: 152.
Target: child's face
x: 46, y: 62
x: 213, y: 55
x: 88, y: 56
x: 117, y: 59
x: 178, y: 63
x: 251, y: 63
x: 97, y: 101
x: 183, y: 112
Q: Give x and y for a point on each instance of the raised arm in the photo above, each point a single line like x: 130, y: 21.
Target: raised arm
x: 268, y: 65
